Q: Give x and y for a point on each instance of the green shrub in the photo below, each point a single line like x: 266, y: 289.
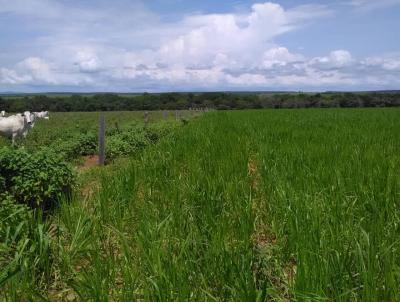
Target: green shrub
x: 135, y: 138
x: 155, y: 131
x: 38, y: 179
x: 116, y: 146
x: 126, y: 143
x: 87, y: 144
x: 80, y: 145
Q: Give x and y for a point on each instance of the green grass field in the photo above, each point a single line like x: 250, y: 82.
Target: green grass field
x: 235, y: 206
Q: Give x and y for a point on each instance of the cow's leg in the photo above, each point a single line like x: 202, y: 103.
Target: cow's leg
x: 13, y: 139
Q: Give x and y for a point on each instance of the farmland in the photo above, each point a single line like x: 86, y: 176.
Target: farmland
x: 234, y: 206
x: 75, y: 134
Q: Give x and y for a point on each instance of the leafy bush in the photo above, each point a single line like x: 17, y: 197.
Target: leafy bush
x: 80, y: 145
x: 38, y: 179
x: 116, y: 146
x: 135, y: 138
x: 155, y: 131
x: 126, y: 143
x: 86, y: 144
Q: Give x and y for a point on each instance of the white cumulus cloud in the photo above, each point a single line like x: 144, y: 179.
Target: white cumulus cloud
x: 126, y: 47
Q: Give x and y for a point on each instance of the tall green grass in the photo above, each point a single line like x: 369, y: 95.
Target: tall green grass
x: 239, y: 206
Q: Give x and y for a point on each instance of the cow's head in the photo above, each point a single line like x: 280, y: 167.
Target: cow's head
x: 28, y: 117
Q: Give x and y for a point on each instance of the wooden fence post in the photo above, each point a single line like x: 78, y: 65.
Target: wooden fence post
x: 146, y: 118
x: 165, y: 114
x: 102, y: 139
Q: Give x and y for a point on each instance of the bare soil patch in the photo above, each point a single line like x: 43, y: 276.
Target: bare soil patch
x: 89, y: 161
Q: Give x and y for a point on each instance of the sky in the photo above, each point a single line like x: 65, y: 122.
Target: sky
x: 202, y: 45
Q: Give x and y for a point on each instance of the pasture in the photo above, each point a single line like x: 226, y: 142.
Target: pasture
x: 75, y: 134
x: 234, y: 206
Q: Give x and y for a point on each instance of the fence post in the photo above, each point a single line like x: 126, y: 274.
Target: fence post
x: 146, y: 118
x: 165, y: 114
x: 102, y: 139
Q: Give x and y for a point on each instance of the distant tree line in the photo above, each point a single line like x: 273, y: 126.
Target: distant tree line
x: 216, y: 100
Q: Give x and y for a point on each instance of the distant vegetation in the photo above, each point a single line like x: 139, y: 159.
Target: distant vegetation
x: 217, y: 100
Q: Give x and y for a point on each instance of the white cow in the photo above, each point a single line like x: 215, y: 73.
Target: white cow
x: 29, y: 125
x: 16, y: 125
x: 42, y: 114
x: 34, y: 116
